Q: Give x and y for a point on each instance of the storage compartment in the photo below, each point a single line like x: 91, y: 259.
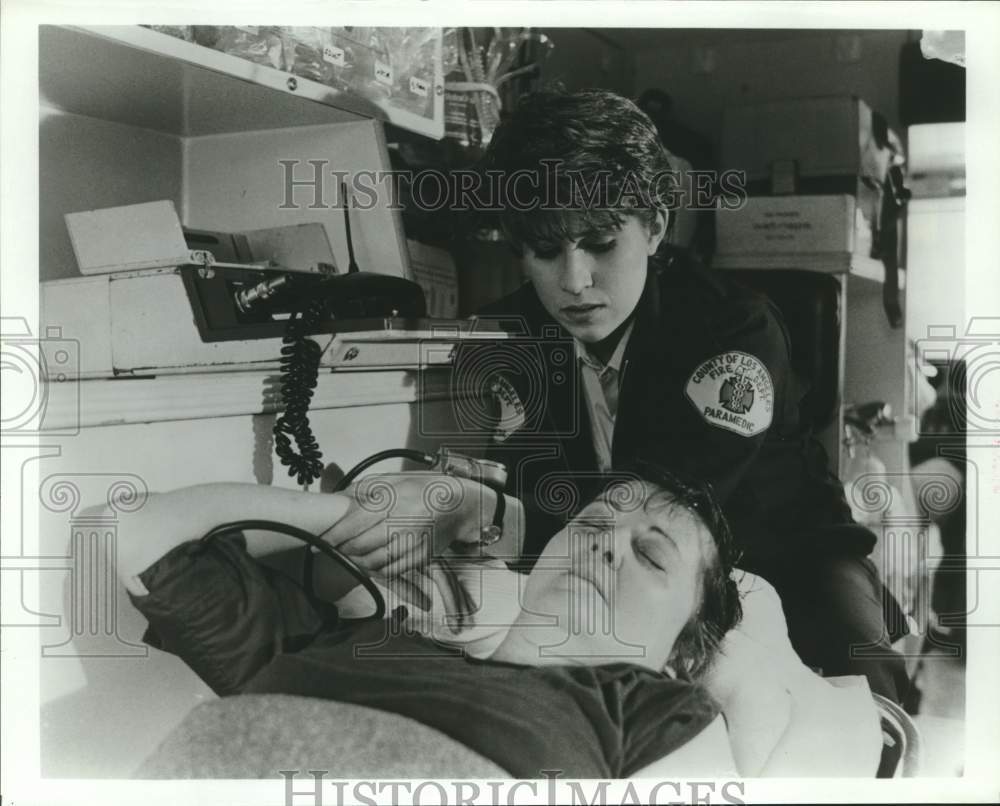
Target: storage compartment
x: 122, y: 124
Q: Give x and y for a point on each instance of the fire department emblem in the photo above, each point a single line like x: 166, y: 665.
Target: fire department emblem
x: 736, y: 394
x: 733, y: 391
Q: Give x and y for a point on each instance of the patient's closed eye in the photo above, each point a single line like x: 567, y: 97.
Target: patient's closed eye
x: 649, y: 558
x: 656, y: 548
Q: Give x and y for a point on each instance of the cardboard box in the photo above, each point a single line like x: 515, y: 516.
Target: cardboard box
x: 829, y: 142
x: 826, y: 232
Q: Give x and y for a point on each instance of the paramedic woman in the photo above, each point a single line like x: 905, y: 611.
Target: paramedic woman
x: 672, y: 364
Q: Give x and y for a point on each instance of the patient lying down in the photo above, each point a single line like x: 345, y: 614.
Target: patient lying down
x: 617, y: 656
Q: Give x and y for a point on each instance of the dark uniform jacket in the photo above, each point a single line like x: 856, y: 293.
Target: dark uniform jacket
x: 706, y: 390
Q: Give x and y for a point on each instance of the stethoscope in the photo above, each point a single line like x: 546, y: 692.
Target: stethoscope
x: 491, y: 474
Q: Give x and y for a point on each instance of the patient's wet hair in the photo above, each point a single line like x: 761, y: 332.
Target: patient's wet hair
x: 718, y: 609
x: 595, y: 158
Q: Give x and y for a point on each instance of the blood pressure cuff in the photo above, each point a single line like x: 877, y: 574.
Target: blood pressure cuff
x: 224, y: 614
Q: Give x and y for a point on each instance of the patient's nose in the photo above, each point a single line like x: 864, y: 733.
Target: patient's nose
x: 608, y: 555
x: 596, y: 544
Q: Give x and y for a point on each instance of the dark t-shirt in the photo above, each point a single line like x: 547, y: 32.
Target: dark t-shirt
x: 247, y: 629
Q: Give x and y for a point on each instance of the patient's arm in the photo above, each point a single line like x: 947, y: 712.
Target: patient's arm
x: 169, y: 519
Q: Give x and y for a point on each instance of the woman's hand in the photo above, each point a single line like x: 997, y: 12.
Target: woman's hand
x: 442, y: 581
x: 400, y: 522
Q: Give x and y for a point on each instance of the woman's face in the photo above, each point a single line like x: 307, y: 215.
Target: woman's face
x: 619, y: 583
x: 592, y: 284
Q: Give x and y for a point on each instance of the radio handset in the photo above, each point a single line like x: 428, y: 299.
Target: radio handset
x: 361, y: 295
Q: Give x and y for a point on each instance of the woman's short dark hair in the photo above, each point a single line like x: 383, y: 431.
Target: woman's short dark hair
x: 597, y: 157
x: 719, y: 609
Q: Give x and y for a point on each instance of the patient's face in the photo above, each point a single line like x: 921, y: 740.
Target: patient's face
x: 619, y: 582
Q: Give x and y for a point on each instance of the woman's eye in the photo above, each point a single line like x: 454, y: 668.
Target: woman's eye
x: 545, y: 253
x: 600, y: 247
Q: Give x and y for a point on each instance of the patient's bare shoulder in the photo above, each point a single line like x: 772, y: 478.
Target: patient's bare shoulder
x: 708, y: 754
x: 763, y: 616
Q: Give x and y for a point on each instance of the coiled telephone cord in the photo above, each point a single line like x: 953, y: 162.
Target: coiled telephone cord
x: 299, y: 372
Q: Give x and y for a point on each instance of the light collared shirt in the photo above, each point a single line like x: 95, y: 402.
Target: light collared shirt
x: 601, y: 385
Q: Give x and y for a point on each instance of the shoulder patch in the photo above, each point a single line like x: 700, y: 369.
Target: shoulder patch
x: 733, y: 391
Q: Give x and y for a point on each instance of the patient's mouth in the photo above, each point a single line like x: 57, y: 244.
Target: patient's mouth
x: 592, y: 583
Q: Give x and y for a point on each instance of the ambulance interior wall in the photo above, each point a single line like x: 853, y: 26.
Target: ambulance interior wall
x: 583, y: 58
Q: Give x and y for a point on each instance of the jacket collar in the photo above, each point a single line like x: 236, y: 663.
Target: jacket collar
x: 617, y: 357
